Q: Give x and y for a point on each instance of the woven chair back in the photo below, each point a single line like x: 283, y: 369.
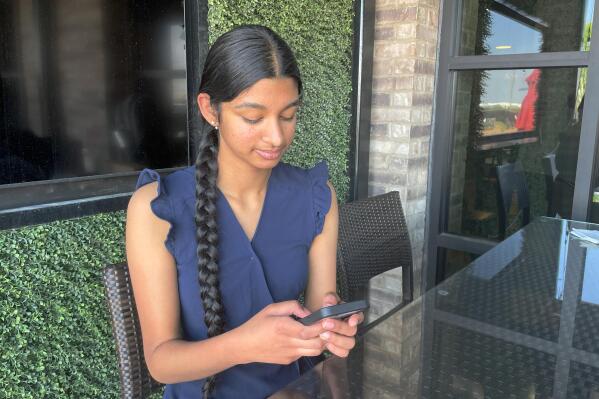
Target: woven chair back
x: 136, y: 382
x: 373, y: 238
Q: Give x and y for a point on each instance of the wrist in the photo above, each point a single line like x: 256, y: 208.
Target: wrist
x: 238, y: 346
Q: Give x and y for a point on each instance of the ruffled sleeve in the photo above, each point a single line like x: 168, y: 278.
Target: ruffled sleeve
x: 321, y: 194
x: 161, y: 205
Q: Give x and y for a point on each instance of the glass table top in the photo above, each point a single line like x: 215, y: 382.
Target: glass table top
x: 521, y: 321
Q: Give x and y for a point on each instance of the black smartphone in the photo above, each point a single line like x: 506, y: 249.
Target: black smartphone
x: 340, y: 311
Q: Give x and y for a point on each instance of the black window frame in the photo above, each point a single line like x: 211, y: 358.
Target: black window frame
x: 29, y: 203
x: 362, y: 62
x: 449, y: 64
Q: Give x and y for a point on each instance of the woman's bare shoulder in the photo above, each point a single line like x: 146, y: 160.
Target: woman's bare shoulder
x: 142, y: 198
x: 142, y: 223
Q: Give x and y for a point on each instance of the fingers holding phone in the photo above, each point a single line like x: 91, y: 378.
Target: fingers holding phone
x: 272, y: 336
x: 340, y: 333
x: 339, y: 323
x: 332, y: 299
x: 339, y: 338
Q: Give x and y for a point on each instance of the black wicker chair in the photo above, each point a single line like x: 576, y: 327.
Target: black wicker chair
x: 373, y: 238
x: 136, y: 382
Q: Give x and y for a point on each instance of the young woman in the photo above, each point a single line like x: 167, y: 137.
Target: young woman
x: 219, y: 252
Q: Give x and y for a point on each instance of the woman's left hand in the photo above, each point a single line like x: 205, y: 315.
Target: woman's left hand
x: 340, y: 334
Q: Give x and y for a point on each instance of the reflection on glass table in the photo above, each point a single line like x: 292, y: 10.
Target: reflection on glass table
x: 521, y: 321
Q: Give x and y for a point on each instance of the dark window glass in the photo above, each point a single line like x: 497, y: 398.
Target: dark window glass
x: 515, y: 148
x: 524, y: 26
x: 451, y: 261
x: 90, y: 88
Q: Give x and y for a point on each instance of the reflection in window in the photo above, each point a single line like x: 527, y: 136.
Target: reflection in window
x: 89, y: 88
x: 511, y: 36
x: 452, y: 261
x: 515, y: 150
x: 509, y: 102
x: 521, y: 26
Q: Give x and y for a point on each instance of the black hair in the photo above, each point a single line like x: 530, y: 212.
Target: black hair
x: 236, y: 61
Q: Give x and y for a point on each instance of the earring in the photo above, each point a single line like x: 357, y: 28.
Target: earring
x: 215, y: 125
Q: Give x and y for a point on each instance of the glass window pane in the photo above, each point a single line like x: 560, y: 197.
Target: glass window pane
x: 452, y: 261
x: 523, y: 26
x: 89, y: 88
x: 515, y: 149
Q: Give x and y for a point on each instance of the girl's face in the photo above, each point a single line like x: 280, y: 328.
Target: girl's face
x: 258, y: 125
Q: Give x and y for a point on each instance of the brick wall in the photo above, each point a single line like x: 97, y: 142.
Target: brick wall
x: 405, y: 51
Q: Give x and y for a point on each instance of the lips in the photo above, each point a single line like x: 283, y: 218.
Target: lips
x: 269, y: 155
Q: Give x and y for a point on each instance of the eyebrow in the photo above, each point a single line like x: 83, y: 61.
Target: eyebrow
x: 260, y: 106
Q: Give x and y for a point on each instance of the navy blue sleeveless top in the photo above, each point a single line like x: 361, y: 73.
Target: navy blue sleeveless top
x: 272, y: 267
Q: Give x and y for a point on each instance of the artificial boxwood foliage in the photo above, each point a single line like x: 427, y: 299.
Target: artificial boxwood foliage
x: 320, y: 33
x: 55, y: 330
x: 55, y: 334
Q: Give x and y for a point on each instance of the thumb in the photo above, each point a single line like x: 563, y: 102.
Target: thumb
x: 330, y: 299
x: 287, y: 308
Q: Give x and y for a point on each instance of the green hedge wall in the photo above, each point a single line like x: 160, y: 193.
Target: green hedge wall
x: 55, y: 332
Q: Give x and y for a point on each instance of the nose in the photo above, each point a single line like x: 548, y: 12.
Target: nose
x: 273, y: 134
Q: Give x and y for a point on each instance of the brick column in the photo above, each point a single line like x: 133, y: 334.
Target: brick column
x: 405, y: 51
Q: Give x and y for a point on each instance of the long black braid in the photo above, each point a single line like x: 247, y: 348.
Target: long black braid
x: 207, y: 237
x: 237, y: 60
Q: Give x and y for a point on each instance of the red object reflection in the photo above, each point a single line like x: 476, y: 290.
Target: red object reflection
x: 525, y: 120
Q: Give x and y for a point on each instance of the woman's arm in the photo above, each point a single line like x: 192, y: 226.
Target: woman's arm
x: 323, y: 259
x: 154, y: 280
x: 322, y: 283
x: 267, y: 337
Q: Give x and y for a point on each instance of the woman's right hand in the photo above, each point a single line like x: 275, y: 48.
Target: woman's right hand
x: 273, y: 336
